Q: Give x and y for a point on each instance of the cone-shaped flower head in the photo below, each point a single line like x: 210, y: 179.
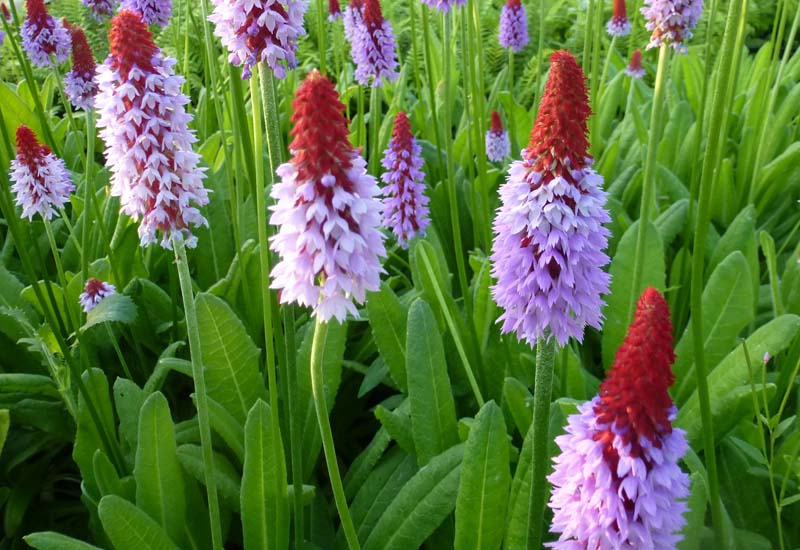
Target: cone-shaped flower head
x: 671, y: 21
x: 617, y: 483
x: 93, y: 293
x: 79, y: 83
x: 619, y: 25
x: 41, y: 182
x: 634, y: 68
x: 444, y: 5
x: 334, y: 10
x: 405, y: 206
x: 148, y: 141
x: 153, y: 12
x: 513, y: 32
x: 260, y: 30
x: 327, y: 210
x: 43, y: 36
x: 101, y: 8
x: 498, y: 145
x: 353, y: 19
x: 547, y: 253
x: 374, y: 47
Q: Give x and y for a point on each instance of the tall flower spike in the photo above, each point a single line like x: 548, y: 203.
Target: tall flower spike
x: 148, y: 142
x: 498, y: 145
x: 79, y: 84
x: 93, y: 293
x: 41, y: 182
x: 153, y: 12
x: 405, y: 204
x: 444, y: 5
x: 634, y: 68
x: 619, y: 25
x: 353, y: 19
x: 617, y: 482
x: 101, y: 9
x: 374, y: 47
x: 513, y: 32
x: 671, y: 21
x: 334, y: 10
x: 547, y: 254
x: 43, y: 36
x: 327, y: 213
x: 260, y: 30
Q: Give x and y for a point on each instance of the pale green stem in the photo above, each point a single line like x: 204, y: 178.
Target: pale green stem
x: 118, y: 351
x: 61, y: 274
x: 540, y: 53
x: 321, y: 36
x: 374, y: 117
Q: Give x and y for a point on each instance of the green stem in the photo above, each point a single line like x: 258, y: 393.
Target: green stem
x: 542, y: 393
x: 432, y: 87
x: 510, y: 116
x: 295, y: 443
x: 361, y: 131
x: 540, y: 54
x: 88, y: 192
x: 118, y: 351
x: 73, y: 323
x: 414, y: 48
x: 321, y: 35
x: 193, y: 330
x: 587, y: 35
x: 374, y: 116
x: 318, y: 390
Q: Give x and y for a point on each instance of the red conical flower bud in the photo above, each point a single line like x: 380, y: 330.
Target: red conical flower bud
x: 334, y: 9
x: 131, y: 44
x: 497, y: 124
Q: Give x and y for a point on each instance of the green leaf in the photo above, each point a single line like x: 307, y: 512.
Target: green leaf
x: 191, y: 458
x: 387, y: 318
x: 108, y: 481
x: 117, y: 307
x: 485, y: 482
x: 670, y: 222
x: 265, y: 513
x: 48, y: 540
x: 27, y: 385
x: 159, y: 481
x: 129, y: 528
x: 519, y: 402
x: 5, y: 422
x: 433, y: 413
x: 363, y: 465
x: 695, y: 516
x: 420, y: 506
x: 128, y: 399
x: 87, y: 438
x: 229, y: 356
x: 398, y: 424
x: 227, y: 427
x: 619, y: 309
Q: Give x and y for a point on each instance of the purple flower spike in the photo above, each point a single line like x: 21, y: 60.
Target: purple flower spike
x: 634, y: 68
x: 327, y: 213
x: 153, y: 12
x: 260, y: 30
x: 373, y: 47
x: 617, y: 482
x: 334, y: 10
x: 671, y: 21
x: 353, y: 19
x: 444, y: 5
x: 513, y: 26
x: 101, y: 9
x: 405, y: 205
x: 79, y: 84
x: 547, y: 255
x: 148, y: 142
x: 498, y: 146
x: 43, y: 36
x: 93, y: 293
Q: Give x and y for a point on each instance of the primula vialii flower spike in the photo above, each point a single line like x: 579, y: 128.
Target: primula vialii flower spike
x: 79, y: 84
x: 93, y: 293
x: 153, y: 12
x: 101, y: 8
x: 260, y: 30
x: 617, y: 482
x: 353, y: 18
x: 327, y: 213
x: 41, y: 182
x: 374, y: 47
x: 334, y: 10
x: 671, y: 21
x: 43, y: 36
x: 513, y: 32
x: 444, y: 5
x: 498, y: 145
x: 635, y: 69
x: 148, y: 141
x: 619, y: 25
x: 547, y: 254
x: 405, y: 204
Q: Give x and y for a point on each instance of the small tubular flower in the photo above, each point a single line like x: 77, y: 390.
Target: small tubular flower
x: 547, y: 254
x: 619, y: 25
x: 153, y: 12
x: 41, y: 181
x: 93, y: 293
x: 405, y: 204
x: 327, y: 213
x: 498, y: 146
x: 260, y: 30
x: 617, y: 482
x: 334, y: 10
x: 79, y: 84
x: 513, y: 33
x: 373, y: 47
x: 671, y: 21
x: 101, y: 9
x: 634, y: 68
x: 444, y: 5
x: 148, y: 142
x: 43, y: 36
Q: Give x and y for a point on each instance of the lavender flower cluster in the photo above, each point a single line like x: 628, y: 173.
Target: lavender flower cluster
x: 671, y: 21
x: 513, y: 32
x: 153, y: 12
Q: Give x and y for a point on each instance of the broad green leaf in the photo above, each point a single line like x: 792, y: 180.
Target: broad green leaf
x: 49, y: 540
x: 197, y: 531
x: 740, y: 235
x: 265, y: 511
x: 695, y: 516
x: 229, y: 357
x: 227, y: 427
x: 362, y: 466
x: 518, y: 400
x: 485, y: 482
x: 108, y: 482
x: 420, y: 506
x: 87, y: 438
x: 727, y: 309
x: 191, y: 458
x: 5, y: 422
x: 670, y: 222
x: 128, y: 399
x: 129, y: 528
x: 398, y: 424
x: 387, y: 318
x: 27, y: 385
x: 433, y: 414
x: 159, y: 481
x: 115, y: 308
x: 619, y: 307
